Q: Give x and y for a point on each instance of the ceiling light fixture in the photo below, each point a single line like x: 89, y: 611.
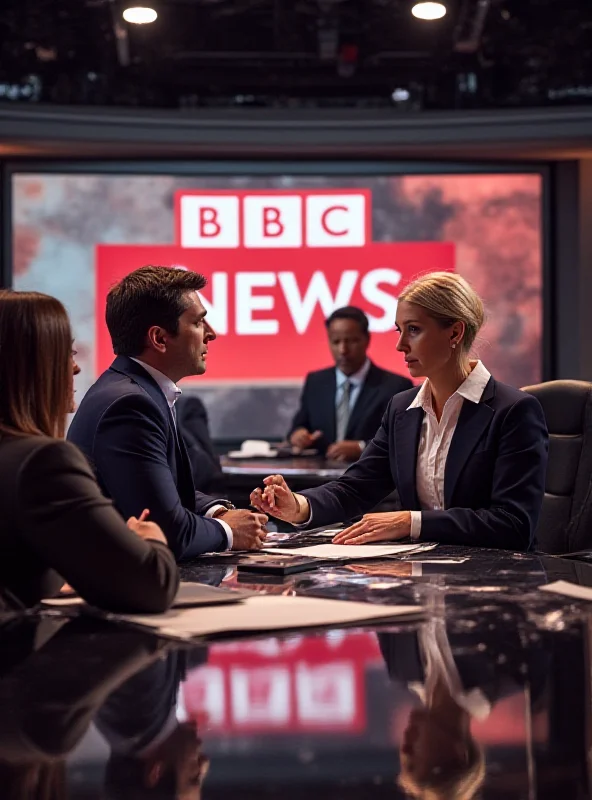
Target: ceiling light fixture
x: 139, y: 15
x: 429, y: 10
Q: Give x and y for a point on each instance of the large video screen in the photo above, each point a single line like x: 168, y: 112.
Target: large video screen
x: 280, y: 253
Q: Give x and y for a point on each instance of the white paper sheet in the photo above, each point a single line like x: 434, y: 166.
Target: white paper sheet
x: 188, y: 594
x: 440, y: 560
x: 267, y: 612
x: 352, y: 552
x: 63, y: 601
x: 568, y: 589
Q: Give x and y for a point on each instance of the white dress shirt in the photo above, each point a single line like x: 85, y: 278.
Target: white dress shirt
x: 439, y: 664
x: 436, y: 437
x: 172, y: 393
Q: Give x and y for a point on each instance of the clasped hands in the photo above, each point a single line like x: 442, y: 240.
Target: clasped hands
x: 346, y: 450
x: 277, y: 500
x: 248, y: 528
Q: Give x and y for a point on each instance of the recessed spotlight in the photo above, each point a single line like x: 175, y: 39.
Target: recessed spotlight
x: 429, y: 10
x: 139, y: 15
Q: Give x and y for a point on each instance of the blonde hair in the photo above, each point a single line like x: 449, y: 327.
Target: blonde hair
x: 453, y: 783
x: 448, y: 298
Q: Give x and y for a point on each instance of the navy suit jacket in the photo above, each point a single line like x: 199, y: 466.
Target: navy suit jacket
x: 317, y: 404
x: 125, y: 428
x: 494, y: 480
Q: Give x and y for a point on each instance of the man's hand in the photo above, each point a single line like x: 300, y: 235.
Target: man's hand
x: 385, y: 527
x: 248, y: 531
x: 144, y: 529
x: 346, y: 450
x: 277, y: 499
x: 303, y: 439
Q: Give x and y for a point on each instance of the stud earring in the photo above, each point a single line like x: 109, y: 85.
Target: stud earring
x: 453, y: 345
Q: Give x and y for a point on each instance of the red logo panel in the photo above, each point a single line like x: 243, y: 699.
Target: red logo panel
x: 277, y: 264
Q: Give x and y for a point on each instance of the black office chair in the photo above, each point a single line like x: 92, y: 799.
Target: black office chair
x: 565, y: 524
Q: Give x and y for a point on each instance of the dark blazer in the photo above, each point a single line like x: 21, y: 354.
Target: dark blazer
x: 136, y: 712
x: 125, y: 428
x: 495, y: 472
x: 317, y: 404
x: 56, y: 526
x: 60, y: 673
x: 192, y: 419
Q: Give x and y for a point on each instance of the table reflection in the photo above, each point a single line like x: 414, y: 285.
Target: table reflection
x: 441, y: 709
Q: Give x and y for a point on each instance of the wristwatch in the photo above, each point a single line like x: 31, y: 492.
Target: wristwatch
x: 227, y: 506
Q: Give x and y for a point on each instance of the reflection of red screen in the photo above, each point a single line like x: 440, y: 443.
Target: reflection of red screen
x: 278, y: 263
x: 285, y: 686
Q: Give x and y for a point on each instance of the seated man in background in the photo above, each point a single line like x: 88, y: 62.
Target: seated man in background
x: 341, y: 407
x: 126, y: 424
x: 192, y: 419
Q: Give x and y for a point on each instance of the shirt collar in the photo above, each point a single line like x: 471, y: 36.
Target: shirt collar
x: 357, y: 378
x: 168, y: 387
x: 471, y: 388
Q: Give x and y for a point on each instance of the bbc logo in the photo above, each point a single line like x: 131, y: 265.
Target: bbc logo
x: 273, y: 220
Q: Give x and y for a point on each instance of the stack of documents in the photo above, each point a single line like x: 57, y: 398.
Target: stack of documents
x: 568, y: 589
x: 351, y: 552
x: 201, y: 610
x: 188, y: 595
x: 266, y: 613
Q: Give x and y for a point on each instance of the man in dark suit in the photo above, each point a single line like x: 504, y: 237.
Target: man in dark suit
x: 126, y: 424
x: 341, y: 407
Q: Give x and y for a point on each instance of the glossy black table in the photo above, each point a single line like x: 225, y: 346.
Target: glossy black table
x: 243, y: 475
x: 108, y: 711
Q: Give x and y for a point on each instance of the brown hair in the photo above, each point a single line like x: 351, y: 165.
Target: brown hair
x: 448, y: 298
x: 35, y: 364
x: 147, y: 296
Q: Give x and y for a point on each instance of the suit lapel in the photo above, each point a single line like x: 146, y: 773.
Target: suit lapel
x: 407, y: 432
x: 369, y: 389
x: 473, y: 421
x: 138, y: 374
x: 130, y: 368
x: 185, y: 472
x: 327, y: 405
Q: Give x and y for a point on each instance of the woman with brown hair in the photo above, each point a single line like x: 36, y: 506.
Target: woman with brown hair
x: 56, y: 525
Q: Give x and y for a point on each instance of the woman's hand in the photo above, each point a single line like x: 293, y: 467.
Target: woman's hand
x: 385, y: 527
x: 277, y: 500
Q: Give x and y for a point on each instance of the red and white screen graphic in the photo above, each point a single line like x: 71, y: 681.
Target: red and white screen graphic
x: 284, y: 686
x: 278, y: 263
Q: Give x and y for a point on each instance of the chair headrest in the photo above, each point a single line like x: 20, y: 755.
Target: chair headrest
x: 564, y: 404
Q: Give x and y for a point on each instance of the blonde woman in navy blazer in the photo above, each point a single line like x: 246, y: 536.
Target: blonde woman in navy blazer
x: 467, y: 453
